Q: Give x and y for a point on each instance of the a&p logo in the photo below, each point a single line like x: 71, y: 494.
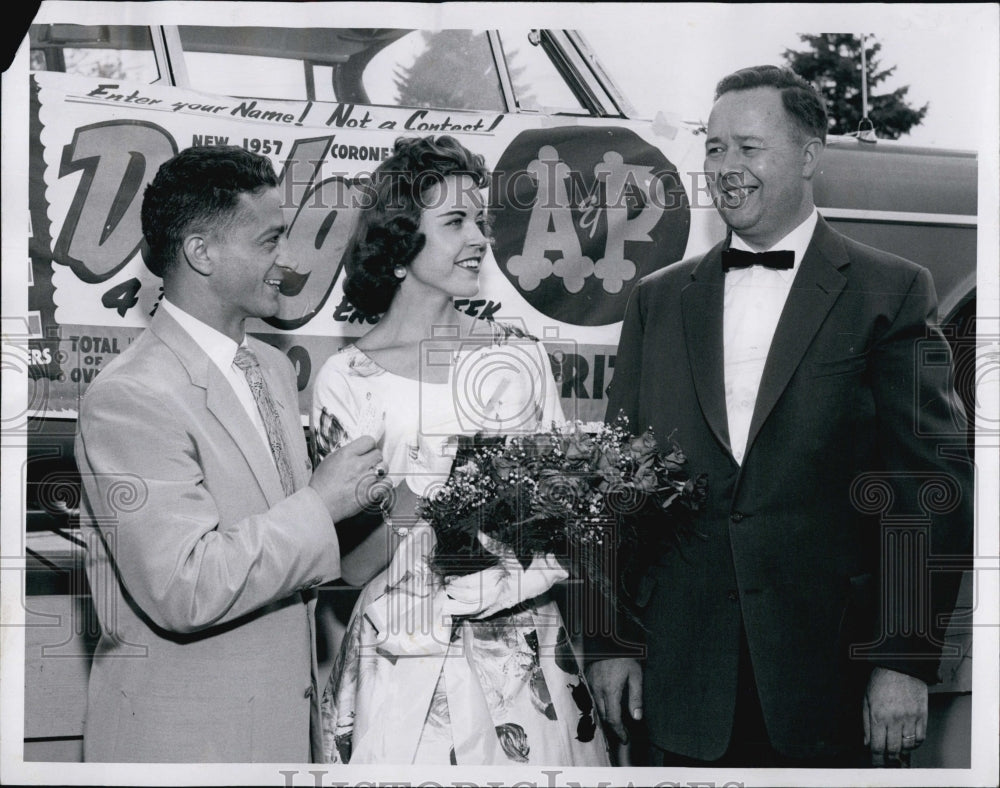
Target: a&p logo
x: 582, y: 214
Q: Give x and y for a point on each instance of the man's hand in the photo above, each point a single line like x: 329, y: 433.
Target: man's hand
x: 346, y: 480
x: 608, y: 679
x: 895, y: 715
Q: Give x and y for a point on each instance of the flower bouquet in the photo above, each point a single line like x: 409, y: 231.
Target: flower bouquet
x: 580, y: 495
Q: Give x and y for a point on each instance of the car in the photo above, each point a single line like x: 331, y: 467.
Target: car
x: 587, y: 197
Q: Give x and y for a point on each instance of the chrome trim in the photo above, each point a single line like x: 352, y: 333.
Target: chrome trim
x: 581, y: 81
x: 160, y: 55
x: 500, y: 61
x: 175, y: 56
x: 601, y: 74
x: 900, y: 217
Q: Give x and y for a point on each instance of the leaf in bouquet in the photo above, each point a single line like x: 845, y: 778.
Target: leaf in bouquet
x: 565, y: 658
x: 451, y: 562
x: 458, y: 550
x: 581, y: 697
x: 541, y: 699
x: 699, y: 491
x: 481, y: 440
x: 668, y: 501
x: 586, y: 728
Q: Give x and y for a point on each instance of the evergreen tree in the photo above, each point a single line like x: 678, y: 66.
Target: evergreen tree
x: 833, y: 65
x: 454, y: 71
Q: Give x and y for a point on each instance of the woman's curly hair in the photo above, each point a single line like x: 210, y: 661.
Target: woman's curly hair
x: 387, y: 233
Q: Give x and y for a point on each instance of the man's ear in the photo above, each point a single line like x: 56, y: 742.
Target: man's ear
x: 812, y: 150
x: 197, y: 254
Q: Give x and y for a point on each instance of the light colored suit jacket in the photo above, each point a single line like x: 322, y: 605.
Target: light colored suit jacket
x: 199, y: 566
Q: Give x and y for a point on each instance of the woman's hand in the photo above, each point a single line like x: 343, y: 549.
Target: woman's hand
x: 501, y: 587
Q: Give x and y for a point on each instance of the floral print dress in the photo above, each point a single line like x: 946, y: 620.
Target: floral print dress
x: 411, y: 684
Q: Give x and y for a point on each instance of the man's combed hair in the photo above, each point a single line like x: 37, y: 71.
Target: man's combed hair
x: 387, y: 233
x: 801, y: 100
x: 196, y: 189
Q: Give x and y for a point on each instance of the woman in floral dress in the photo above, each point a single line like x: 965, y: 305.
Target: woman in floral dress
x: 471, y: 670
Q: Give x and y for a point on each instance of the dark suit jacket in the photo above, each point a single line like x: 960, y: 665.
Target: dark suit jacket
x: 198, y: 563
x: 855, y: 474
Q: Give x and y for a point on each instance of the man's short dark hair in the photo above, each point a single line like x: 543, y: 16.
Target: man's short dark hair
x: 801, y: 100
x: 198, y: 189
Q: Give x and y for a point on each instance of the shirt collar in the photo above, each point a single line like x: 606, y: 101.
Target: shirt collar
x: 220, y: 348
x: 796, y: 241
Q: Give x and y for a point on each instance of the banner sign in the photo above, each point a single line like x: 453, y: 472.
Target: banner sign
x: 582, y: 208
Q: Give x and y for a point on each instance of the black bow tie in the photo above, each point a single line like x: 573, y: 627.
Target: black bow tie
x: 738, y: 258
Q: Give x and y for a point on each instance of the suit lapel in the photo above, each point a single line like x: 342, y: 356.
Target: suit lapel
x: 701, y: 307
x: 222, y: 403
x: 816, y: 287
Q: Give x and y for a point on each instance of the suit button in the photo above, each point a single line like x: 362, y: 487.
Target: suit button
x: 736, y: 517
x: 733, y: 595
x: 309, y: 692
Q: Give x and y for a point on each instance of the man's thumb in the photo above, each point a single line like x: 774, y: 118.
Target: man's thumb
x: 361, y: 445
x: 635, y: 696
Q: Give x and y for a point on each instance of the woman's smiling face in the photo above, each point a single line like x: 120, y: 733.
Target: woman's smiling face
x: 453, y: 225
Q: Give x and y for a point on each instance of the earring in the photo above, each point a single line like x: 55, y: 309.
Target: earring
x: 399, y: 272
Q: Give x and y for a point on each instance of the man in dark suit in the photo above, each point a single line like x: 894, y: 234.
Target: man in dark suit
x: 806, y: 623
x: 207, y: 527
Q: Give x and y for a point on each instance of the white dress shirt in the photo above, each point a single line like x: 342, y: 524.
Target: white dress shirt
x: 752, y: 304
x: 222, y: 351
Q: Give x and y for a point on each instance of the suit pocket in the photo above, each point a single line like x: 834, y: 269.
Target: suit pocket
x: 848, y: 365
x: 184, y: 729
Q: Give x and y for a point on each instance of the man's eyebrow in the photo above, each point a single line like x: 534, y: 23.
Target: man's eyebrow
x: 738, y: 138
x: 280, y: 229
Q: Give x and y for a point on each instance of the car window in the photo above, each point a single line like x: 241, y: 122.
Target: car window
x: 538, y: 86
x: 247, y: 75
x: 444, y: 69
x: 449, y: 69
x: 112, y: 51
x: 247, y: 61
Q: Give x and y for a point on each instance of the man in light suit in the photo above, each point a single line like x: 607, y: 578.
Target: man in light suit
x: 805, y: 625
x: 206, y: 526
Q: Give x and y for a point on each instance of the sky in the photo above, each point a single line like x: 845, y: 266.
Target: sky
x: 672, y: 62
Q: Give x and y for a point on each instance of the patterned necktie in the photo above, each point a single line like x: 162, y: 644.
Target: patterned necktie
x: 247, y: 361
x: 740, y: 258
